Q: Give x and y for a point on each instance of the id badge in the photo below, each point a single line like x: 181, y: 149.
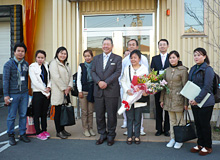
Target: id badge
x: 161, y: 72
x: 22, y: 78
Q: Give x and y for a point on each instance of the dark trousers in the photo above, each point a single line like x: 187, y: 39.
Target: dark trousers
x: 159, y: 116
x: 109, y: 105
x: 40, y: 105
x: 202, y: 117
x: 59, y: 128
x: 134, y: 116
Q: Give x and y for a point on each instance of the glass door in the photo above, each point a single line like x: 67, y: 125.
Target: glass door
x: 121, y: 28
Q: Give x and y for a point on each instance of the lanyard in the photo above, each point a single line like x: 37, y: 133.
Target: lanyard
x: 17, y: 68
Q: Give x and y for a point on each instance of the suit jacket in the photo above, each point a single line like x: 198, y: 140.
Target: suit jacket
x: 110, y: 75
x: 156, y: 63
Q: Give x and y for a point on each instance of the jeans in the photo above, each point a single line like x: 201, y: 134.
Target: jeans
x: 20, y: 104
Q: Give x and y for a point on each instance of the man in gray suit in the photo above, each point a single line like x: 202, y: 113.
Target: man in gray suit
x: 105, y: 71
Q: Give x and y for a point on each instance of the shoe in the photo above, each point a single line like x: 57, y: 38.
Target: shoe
x: 46, y: 134
x: 92, y: 133
x: 110, y: 143
x: 205, y: 150
x: 61, y: 135
x: 11, y: 139
x: 41, y: 136
x: 66, y: 133
x: 167, y: 134
x: 178, y: 145
x: 86, y: 133
x: 137, y: 140
x: 142, y: 133
x: 125, y: 133
x: 158, y: 133
x: 171, y: 143
x: 129, y: 142
x: 124, y: 126
x: 196, y: 149
x: 100, y: 141
x: 24, y: 138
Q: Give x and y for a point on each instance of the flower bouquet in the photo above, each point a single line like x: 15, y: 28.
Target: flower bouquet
x: 151, y: 84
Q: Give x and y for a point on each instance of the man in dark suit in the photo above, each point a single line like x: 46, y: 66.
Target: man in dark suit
x: 106, y: 70
x: 159, y: 63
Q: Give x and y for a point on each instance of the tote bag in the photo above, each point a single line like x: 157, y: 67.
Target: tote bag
x: 67, y: 117
x: 186, y: 132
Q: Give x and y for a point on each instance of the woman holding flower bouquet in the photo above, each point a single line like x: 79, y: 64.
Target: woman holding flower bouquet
x: 172, y: 101
x: 135, y: 113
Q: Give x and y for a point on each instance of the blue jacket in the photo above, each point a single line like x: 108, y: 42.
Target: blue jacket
x: 203, y: 77
x: 10, y: 78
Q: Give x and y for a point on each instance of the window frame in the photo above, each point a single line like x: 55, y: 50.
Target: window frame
x: 202, y: 34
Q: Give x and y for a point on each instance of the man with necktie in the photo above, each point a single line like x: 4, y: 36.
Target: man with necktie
x: 106, y: 70
x: 160, y: 63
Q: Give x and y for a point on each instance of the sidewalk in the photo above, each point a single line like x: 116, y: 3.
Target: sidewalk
x: 76, y: 131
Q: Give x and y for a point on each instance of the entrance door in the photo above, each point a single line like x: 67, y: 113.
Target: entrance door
x: 121, y: 28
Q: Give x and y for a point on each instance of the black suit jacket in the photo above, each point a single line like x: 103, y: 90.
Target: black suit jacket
x: 110, y: 75
x: 156, y: 63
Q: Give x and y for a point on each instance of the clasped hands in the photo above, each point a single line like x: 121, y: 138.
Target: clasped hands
x: 102, y: 84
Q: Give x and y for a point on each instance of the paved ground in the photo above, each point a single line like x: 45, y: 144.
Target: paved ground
x: 79, y: 147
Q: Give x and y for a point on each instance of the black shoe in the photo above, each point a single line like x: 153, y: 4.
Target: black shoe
x: 167, y: 134
x: 66, y: 133
x: 61, y: 135
x: 110, y: 143
x: 158, y: 133
x: 11, y: 139
x: 24, y: 138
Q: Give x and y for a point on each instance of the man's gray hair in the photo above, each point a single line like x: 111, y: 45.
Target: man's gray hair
x: 107, y: 38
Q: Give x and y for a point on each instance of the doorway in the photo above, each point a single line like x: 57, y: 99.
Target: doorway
x: 121, y: 28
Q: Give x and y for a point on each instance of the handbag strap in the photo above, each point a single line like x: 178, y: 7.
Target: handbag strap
x: 186, y: 113
x: 129, y: 72
x: 67, y: 99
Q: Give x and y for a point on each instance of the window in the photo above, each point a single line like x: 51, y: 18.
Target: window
x: 118, y: 21
x: 194, y: 16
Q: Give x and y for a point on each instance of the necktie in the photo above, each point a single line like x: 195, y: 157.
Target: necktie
x: 105, y: 61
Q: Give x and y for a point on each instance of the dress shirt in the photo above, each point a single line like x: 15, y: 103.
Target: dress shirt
x: 163, y: 58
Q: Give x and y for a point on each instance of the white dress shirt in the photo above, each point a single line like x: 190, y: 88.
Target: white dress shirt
x: 163, y: 58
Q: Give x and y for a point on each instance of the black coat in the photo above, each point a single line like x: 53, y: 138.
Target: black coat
x: 156, y: 63
x: 203, y: 77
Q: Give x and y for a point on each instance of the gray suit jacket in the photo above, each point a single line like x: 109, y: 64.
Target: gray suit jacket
x: 109, y: 75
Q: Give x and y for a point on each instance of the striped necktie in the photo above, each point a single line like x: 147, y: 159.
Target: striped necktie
x: 105, y: 61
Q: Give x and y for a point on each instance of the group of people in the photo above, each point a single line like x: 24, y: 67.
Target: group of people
x: 101, y: 81
x: 50, y: 84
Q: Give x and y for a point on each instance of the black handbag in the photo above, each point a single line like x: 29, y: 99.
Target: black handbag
x: 67, y: 117
x: 186, y: 132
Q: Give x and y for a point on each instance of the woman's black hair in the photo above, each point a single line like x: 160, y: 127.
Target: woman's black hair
x: 204, y: 53
x: 137, y: 52
x: 40, y: 51
x: 60, y: 49
x: 177, y: 55
x: 90, y: 52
